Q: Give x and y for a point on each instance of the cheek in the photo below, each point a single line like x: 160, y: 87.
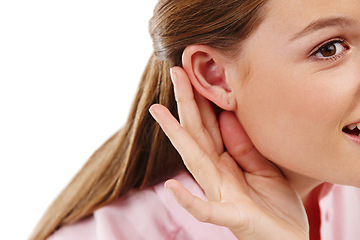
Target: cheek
x: 287, y: 116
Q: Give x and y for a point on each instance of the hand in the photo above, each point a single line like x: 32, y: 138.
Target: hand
x: 245, y: 191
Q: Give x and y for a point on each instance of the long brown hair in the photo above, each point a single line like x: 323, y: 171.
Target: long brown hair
x: 140, y: 155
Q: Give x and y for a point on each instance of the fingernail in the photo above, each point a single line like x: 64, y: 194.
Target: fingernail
x: 169, y: 190
x: 152, y: 112
x: 173, y: 75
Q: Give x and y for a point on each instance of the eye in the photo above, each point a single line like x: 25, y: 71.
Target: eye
x: 331, y: 50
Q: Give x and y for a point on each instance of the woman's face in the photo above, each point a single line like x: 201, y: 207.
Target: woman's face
x: 297, y: 86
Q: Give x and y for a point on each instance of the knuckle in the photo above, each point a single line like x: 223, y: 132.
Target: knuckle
x: 182, y: 99
x: 242, y: 150
x: 204, y: 217
x: 202, y: 156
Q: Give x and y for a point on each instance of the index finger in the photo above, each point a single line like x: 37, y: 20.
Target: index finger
x: 196, y: 160
x: 195, y: 112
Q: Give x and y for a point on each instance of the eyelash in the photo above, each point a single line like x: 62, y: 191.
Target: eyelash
x: 333, y: 58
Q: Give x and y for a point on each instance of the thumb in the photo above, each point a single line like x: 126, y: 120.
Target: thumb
x: 240, y: 147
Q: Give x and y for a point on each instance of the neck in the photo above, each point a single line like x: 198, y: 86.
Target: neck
x: 309, y: 190
x: 303, y: 185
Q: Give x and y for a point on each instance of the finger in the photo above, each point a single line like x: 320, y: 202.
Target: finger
x: 204, y: 211
x: 210, y: 121
x: 241, y: 148
x: 197, y: 207
x: 195, y: 159
x: 188, y: 109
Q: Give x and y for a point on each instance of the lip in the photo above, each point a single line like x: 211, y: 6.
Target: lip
x: 354, y: 138
x: 356, y: 122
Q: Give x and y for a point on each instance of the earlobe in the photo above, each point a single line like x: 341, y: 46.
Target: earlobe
x: 207, y: 72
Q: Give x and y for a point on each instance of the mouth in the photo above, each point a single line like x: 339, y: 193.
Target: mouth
x: 352, y: 129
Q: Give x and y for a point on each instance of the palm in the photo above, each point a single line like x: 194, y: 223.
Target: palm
x: 254, y: 197
x: 246, y: 192
x: 261, y: 202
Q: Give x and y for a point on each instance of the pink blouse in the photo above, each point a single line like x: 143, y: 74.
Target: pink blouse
x: 153, y: 214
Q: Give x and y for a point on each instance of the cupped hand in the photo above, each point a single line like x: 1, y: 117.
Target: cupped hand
x: 246, y: 192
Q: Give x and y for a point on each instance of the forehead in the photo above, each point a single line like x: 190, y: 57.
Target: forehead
x: 291, y: 16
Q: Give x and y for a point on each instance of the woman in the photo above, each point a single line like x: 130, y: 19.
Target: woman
x: 288, y: 71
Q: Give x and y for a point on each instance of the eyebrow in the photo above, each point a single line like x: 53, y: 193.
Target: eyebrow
x: 324, y: 23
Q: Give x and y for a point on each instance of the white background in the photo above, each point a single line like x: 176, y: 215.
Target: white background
x: 68, y: 73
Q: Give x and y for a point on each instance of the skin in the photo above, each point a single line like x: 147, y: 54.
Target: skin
x: 292, y: 99
x: 253, y: 201
x: 300, y: 103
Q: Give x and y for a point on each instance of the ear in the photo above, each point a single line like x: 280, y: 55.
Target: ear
x: 206, y: 70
